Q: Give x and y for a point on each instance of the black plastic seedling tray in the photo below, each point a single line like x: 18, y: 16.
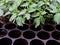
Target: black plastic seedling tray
x: 12, y: 34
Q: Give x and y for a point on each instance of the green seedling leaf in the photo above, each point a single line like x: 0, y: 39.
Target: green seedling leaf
x: 58, y: 1
x: 52, y: 11
x: 25, y: 4
x: 33, y: 5
x: 20, y: 21
x: 22, y: 12
x: 1, y: 12
x: 43, y: 12
x: 40, y: 3
x: 2, y: 7
x: 57, y: 18
x: 31, y: 10
x: 37, y: 21
x: 13, y: 17
x: 7, y: 13
x: 1, y: 3
x: 52, y: 7
x: 27, y: 16
x: 36, y: 14
x: 10, y: 8
x: 42, y: 20
x: 8, y: 0
x: 17, y: 2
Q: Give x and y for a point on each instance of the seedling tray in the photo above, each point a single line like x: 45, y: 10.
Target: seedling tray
x: 12, y: 34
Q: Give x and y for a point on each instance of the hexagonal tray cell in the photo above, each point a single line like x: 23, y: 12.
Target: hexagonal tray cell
x: 52, y: 42
x: 5, y: 41
x: 27, y: 21
x: 6, y: 18
x: 58, y: 27
x: 36, y: 42
x: 56, y: 35
x: 10, y: 26
x: 14, y: 34
x: 24, y: 27
x: 48, y: 27
x: 43, y: 35
x: 31, y: 21
x: 32, y: 27
x: 28, y: 34
x: 3, y: 32
x: 20, y: 42
x: 1, y: 25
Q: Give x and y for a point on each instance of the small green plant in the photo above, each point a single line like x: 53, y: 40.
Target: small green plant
x: 27, y: 9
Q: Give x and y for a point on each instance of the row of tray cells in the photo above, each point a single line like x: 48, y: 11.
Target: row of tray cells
x: 30, y: 34
x: 20, y: 41
x: 46, y: 27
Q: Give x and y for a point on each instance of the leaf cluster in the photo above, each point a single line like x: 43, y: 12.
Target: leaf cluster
x: 40, y: 10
